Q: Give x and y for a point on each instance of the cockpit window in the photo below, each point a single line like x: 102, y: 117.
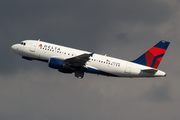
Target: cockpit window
x: 23, y: 43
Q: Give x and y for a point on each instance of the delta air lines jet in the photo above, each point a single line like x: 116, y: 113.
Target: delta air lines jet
x: 69, y: 60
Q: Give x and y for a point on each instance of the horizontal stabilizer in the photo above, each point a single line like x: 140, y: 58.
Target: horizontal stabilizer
x: 150, y: 70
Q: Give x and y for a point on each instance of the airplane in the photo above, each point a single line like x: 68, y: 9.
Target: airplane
x: 70, y: 60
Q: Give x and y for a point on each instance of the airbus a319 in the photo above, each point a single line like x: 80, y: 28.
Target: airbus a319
x: 70, y: 60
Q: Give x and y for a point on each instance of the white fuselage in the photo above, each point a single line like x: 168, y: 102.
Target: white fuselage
x: 43, y: 51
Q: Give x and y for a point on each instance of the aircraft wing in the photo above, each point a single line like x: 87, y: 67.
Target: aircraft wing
x: 78, y: 61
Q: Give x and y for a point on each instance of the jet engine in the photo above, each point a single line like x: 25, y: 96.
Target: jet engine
x: 60, y: 65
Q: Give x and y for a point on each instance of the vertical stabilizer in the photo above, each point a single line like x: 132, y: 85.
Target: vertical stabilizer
x: 153, y: 56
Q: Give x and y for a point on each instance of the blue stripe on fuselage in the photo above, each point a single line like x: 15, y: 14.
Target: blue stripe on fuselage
x: 95, y: 71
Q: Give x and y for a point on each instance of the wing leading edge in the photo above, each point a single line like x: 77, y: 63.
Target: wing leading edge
x: 78, y: 63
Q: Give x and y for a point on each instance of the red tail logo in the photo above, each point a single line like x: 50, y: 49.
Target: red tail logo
x: 153, y: 56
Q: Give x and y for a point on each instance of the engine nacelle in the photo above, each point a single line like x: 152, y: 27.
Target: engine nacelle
x: 60, y: 65
x: 55, y: 63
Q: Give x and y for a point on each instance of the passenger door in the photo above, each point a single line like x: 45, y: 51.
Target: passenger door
x: 33, y: 47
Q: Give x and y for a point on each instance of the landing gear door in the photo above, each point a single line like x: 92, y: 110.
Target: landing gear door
x: 79, y: 74
x: 33, y: 47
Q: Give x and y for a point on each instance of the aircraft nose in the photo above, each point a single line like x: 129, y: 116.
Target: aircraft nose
x: 14, y: 48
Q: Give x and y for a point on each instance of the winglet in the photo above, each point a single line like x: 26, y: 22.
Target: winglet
x: 91, y: 54
x: 153, y: 56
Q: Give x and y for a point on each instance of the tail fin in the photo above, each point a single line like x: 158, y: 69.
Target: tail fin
x: 153, y: 56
